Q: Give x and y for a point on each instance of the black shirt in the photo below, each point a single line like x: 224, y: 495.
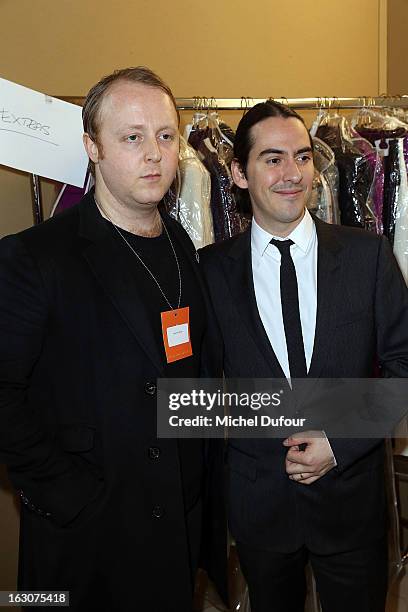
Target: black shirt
x: 157, y: 254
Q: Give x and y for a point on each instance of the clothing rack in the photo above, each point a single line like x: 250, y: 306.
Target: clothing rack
x: 295, y: 103
x: 198, y: 103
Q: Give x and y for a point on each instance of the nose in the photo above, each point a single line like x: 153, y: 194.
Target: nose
x: 292, y: 172
x: 152, y: 150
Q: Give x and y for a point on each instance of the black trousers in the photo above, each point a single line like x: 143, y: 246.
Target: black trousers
x: 354, y: 581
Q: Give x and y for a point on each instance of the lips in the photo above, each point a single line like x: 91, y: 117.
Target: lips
x: 289, y: 192
x: 151, y: 177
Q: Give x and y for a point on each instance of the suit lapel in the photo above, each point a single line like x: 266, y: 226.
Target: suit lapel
x: 328, y: 294
x: 240, y: 280
x: 241, y: 284
x: 111, y: 267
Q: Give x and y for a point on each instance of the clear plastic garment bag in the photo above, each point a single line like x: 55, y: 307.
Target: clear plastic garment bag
x: 189, y: 200
x: 324, y: 198
x: 389, y: 134
x: 356, y: 162
x: 215, y: 150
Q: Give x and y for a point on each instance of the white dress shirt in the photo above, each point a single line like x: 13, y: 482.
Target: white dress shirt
x: 266, y: 274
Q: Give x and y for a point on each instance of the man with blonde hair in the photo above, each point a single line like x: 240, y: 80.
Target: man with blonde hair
x: 91, y: 306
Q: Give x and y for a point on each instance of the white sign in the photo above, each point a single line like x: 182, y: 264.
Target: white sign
x: 41, y: 135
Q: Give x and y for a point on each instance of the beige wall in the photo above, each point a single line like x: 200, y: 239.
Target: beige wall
x: 227, y: 48
x: 397, y: 46
x: 222, y: 49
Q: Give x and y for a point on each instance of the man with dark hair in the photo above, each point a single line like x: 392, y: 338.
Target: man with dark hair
x: 95, y: 305
x: 295, y: 297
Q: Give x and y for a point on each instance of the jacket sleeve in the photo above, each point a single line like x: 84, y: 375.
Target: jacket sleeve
x: 391, y: 315
x: 391, y: 330
x: 49, y: 481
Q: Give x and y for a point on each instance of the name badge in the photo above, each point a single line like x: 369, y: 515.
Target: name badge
x: 176, y: 333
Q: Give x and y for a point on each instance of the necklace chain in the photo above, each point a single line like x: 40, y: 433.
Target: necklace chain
x: 141, y: 260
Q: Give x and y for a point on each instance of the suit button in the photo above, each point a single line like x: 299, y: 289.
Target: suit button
x: 158, y: 512
x: 154, y: 452
x: 150, y: 388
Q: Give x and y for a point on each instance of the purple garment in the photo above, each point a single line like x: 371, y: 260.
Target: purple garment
x: 387, y: 177
x: 377, y: 188
x: 374, y: 134
x: 226, y: 218
x: 378, y: 194
x: 406, y: 151
x: 69, y: 196
x: 197, y: 136
x: 224, y: 211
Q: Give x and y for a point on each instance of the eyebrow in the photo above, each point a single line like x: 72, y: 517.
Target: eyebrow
x: 280, y: 152
x: 141, y: 127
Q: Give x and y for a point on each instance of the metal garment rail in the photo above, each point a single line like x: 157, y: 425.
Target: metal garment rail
x: 296, y: 103
x: 203, y: 103
x: 198, y: 102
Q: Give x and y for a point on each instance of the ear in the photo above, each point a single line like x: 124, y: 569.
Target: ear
x: 238, y: 174
x: 91, y: 148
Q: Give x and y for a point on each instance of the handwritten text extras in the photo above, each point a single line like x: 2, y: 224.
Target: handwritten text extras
x: 27, y: 122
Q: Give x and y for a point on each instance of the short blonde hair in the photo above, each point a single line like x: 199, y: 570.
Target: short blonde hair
x: 93, y: 101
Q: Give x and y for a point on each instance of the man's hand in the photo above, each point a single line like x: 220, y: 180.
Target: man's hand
x: 307, y: 466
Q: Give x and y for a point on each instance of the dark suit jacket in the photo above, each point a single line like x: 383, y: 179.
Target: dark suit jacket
x: 102, y: 497
x: 362, y: 313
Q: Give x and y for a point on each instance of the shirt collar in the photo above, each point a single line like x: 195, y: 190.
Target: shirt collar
x: 301, y: 235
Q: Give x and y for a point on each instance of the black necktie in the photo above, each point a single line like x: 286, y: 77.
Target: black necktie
x: 290, y: 311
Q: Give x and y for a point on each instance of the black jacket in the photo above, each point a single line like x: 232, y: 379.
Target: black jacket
x: 102, y: 497
x: 362, y: 314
